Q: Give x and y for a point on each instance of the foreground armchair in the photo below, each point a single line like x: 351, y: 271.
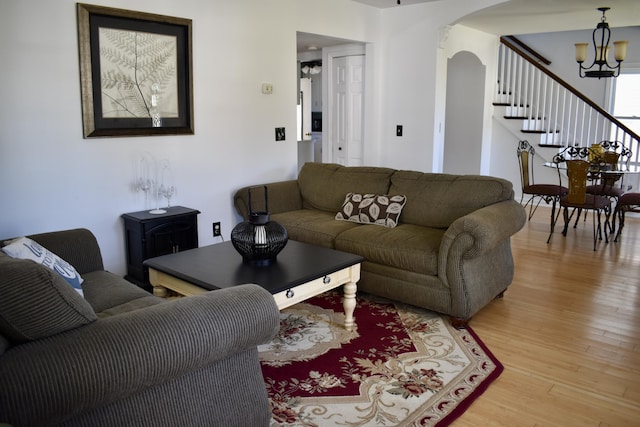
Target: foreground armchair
x: 120, y: 356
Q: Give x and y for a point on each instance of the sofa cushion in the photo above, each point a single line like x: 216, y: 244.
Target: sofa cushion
x: 375, y: 209
x: 437, y: 200
x: 407, y: 246
x: 323, y: 186
x: 312, y: 226
x: 106, y: 291
x: 25, y: 248
x: 132, y: 305
x: 36, y: 302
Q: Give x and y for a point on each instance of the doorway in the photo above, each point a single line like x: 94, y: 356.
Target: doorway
x: 338, y: 109
x: 463, y: 114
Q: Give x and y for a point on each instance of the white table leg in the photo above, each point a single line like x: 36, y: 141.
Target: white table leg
x: 349, y: 304
x: 160, y: 291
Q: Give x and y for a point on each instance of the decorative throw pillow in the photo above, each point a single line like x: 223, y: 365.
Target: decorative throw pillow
x: 25, y: 248
x: 378, y: 209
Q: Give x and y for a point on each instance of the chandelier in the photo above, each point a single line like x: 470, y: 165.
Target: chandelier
x: 600, y: 67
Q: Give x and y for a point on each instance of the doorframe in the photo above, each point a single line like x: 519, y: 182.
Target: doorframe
x: 329, y: 54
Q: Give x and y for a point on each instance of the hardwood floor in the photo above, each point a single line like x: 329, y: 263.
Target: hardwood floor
x: 567, y: 332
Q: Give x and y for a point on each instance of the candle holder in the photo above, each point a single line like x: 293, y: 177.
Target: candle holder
x: 259, y: 240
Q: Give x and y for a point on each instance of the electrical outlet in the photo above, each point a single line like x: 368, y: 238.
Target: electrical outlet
x: 216, y: 229
x: 280, y: 134
x: 398, y: 130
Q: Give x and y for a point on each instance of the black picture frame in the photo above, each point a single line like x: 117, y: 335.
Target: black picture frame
x: 134, y: 67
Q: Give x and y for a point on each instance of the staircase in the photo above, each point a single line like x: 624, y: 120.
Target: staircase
x: 539, y: 106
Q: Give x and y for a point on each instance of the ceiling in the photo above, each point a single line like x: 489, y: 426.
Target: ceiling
x: 383, y: 4
x: 310, y: 42
x: 517, y: 17
x: 539, y: 16
x: 546, y: 16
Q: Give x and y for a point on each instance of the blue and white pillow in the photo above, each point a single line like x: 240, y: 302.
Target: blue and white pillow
x: 25, y: 248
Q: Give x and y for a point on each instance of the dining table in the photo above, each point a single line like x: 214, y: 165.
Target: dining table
x: 603, y: 172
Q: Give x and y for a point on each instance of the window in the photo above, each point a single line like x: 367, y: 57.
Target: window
x: 626, y: 100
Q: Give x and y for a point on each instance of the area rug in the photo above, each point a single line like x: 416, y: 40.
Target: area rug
x: 401, y: 366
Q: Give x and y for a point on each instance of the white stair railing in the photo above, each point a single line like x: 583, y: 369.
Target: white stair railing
x: 553, y: 108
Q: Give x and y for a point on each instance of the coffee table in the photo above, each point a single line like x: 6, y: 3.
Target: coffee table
x: 300, y: 272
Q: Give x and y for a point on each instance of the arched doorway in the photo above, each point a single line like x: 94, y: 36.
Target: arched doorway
x: 464, y: 114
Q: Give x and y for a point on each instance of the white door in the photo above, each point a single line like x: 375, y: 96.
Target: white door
x: 347, y: 110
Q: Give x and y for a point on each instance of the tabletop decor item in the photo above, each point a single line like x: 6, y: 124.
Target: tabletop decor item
x: 155, y: 178
x: 259, y: 240
x: 165, y: 188
x: 596, y: 153
x: 135, y: 72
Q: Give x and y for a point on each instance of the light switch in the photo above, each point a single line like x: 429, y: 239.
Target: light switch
x: 267, y: 88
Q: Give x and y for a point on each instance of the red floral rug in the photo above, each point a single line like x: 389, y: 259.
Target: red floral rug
x: 401, y: 366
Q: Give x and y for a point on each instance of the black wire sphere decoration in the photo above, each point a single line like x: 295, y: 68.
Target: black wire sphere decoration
x: 259, y: 240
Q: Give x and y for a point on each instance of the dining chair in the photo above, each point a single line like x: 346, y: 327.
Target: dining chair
x: 572, y: 153
x: 549, y: 193
x: 628, y: 202
x: 577, y: 199
x: 610, y: 184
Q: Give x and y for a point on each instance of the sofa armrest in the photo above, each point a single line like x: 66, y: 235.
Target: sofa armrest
x: 78, y: 247
x: 119, y: 356
x: 284, y: 196
x: 480, y: 231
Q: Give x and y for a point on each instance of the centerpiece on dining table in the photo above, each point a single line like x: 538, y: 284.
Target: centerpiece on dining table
x: 596, y: 154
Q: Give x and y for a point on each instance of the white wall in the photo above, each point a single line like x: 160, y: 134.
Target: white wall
x: 54, y: 179
x: 414, y: 41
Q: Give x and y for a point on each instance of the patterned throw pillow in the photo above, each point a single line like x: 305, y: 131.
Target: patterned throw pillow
x: 25, y: 248
x: 378, y: 209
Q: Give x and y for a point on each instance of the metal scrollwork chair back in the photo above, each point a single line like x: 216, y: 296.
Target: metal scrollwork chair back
x: 609, y: 184
x: 549, y: 193
x: 578, y: 200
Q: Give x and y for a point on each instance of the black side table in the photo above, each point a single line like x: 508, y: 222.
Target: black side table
x: 150, y: 235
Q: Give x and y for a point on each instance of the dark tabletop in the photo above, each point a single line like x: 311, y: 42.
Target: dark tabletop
x: 220, y: 266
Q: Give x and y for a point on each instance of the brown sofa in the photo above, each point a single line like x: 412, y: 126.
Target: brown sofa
x: 449, y: 253
x: 122, y: 357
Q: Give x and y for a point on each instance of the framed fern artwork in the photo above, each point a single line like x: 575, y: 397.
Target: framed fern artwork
x: 135, y: 73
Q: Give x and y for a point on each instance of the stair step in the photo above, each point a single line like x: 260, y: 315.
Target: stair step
x: 538, y: 131
x: 551, y: 145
